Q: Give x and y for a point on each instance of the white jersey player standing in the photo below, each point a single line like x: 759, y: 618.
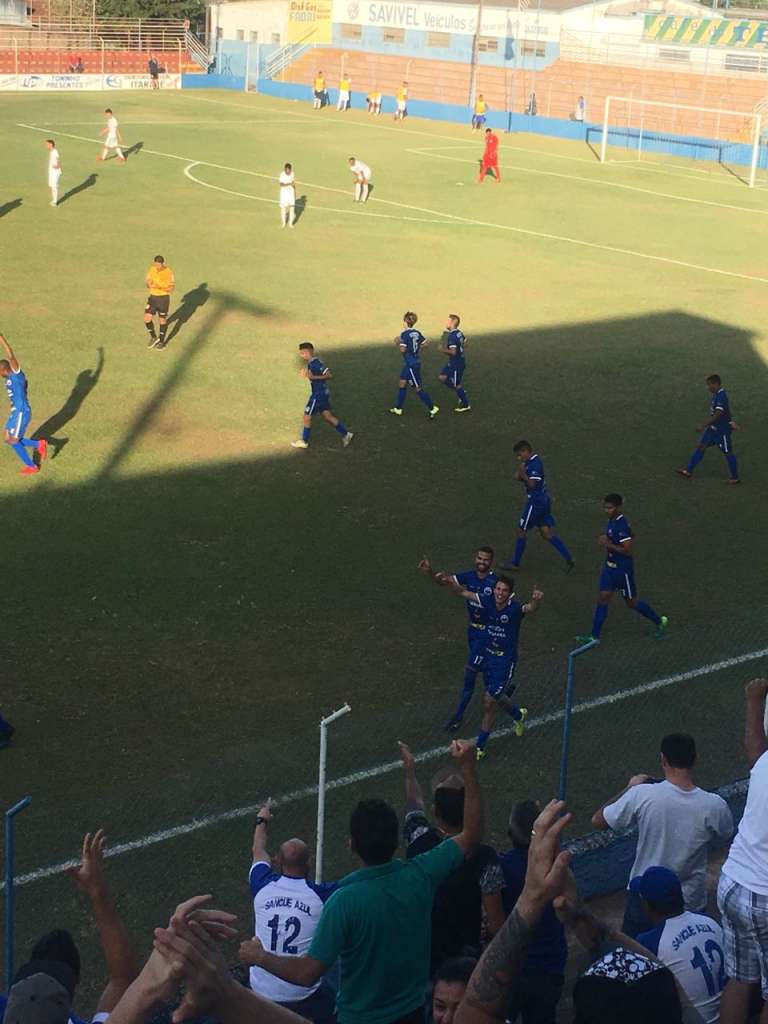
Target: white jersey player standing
x: 54, y: 171
x: 362, y: 175
x: 112, y: 137
x: 287, y: 196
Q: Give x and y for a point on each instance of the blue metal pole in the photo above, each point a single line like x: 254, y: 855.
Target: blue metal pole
x: 567, y: 716
x: 10, y: 851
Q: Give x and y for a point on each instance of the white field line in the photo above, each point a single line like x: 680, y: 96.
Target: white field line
x: 527, y: 232
x: 295, y: 795
x: 433, y: 152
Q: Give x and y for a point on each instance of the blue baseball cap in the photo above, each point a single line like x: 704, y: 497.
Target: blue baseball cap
x: 657, y: 885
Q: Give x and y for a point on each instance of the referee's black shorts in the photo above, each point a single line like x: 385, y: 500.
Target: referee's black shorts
x: 158, y: 304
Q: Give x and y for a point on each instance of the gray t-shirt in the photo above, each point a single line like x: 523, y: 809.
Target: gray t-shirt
x: 675, y: 827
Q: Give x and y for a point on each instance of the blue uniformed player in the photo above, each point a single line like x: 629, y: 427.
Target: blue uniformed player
x: 537, y: 513
x: 480, y: 580
x: 453, y: 345
x: 618, y: 573
x: 497, y: 660
x: 411, y: 342
x: 18, y: 421
x: 318, y: 375
x: 716, y: 430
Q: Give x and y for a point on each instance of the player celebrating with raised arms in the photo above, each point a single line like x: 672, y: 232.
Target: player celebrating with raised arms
x: 161, y: 282
x: 18, y: 421
x: 113, y: 139
x: 54, y: 171
x: 619, y: 572
x: 716, y: 431
x: 287, y: 196
x: 411, y: 342
x: 490, y: 159
x: 318, y: 375
x: 537, y: 513
x: 452, y: 345
x: 362, y: 175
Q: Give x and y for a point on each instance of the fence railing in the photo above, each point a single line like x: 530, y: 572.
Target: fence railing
x: 198, y: 53
x: 122, y: 34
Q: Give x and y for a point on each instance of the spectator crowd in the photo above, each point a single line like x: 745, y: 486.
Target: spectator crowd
x: 454, y: 932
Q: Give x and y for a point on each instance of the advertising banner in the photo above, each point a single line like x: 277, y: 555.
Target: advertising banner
x: 82, y: 83
x: 459, y: 19
x: 747, y: 35
x: 310, y: 21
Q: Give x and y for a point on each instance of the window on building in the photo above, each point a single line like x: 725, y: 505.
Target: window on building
x: 276, y: 38
x: 254, y: 37
x: 533, y: 50
x: 351, y: 31
x: 439, y: 40
x: 393, y: 35
x: 674, y: 56
x: 746, y: 62
x: 486, y: 44
x: 240, y: 34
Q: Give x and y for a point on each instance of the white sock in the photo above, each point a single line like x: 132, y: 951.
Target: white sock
x: 292, y: 217
x: 120, y: 153
x: 54, y: 195
x: 358, y: 191
x: 364, y: 191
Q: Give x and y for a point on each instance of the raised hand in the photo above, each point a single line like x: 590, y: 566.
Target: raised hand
x: 88, y: 876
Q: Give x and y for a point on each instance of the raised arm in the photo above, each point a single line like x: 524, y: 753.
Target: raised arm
x: 115, y: 944
x: 533, y: 605
x: 472, y: 832
x: 754, y: 738
x: 598, y: 818
x: 259, y: 845
x: 414, y: 798
x: 445, y: 580
x: 9, y: 352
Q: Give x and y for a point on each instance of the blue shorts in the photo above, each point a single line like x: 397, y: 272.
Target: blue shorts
x: 536, y: 515
x: 452, y: 374
x: 619, y: 579
x: 411, y: 375
x: 18, y: 423
x: 479, y: 119
x: 317, y: 404
x: 712, y: 438
x: 476, y: 641
x: 498, y: 671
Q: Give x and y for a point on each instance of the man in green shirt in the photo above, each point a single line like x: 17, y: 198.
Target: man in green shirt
x: 378, y: 922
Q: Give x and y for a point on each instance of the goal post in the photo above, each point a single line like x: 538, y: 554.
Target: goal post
x: 639, y: 127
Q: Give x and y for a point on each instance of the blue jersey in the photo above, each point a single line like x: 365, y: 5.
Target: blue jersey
x: 412, y: 340
x: 502, y: 628
x: 455, y: 342
x: 320, y: 388
x: 482, y: 585
x: 617, y: 531
x: 16, y: 386
x: 537, y: 489
x: 720, y: 403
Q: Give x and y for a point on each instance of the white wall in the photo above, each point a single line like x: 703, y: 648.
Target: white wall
x: 266, y: 17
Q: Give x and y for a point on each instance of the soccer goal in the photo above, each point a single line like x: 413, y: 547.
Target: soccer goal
x: 637, y: 129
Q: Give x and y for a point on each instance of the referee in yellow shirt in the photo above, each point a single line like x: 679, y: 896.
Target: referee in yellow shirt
x: 161, y: 283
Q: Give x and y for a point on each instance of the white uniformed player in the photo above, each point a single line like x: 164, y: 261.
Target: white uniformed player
x: 54, y: 170
x: 287, y: 196
x: 287, y: 908
x: 362, y: 174
x: 113, y: 139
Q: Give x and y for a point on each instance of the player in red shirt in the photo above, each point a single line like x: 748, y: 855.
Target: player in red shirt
x: 490, y: 159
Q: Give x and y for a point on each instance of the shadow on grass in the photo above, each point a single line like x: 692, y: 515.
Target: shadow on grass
x: 84, y: 384
x: 87, y: 183
x: 9, y: 207
x: 135, y: 148
x: 190, y: 303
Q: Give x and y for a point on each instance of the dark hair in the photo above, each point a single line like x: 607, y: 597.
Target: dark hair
x: 507, y: 581
x: 51, y: 142
x: 613, y: 499
x: 457, y: 968
x: 714, y: 378
x: 108, y: 110
x: 5, y: 364
x: 521, y: 823
x: 679, y: 749
x: 305, y: 346
x: 158, y: 259
x: 487, y: 550
x: 410, y: 319
x: 455, y: 317
x: 522, y: 446
x: 672, y: 908
x: 58, y: 945
x: 374, y: 830
x: 449, y: 806
x: 288, y: 167
x: 487, y: 130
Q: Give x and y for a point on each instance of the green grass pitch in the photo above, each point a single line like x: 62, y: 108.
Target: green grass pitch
x: 186, y: 596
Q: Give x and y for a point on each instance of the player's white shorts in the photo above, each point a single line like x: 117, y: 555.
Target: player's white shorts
x: 343, y: 96
x: 401, y: 106
x: 53, y: 178
x: 111, y: 142
x: 287, y: 197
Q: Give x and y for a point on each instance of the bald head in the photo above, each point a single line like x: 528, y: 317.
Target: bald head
x: 293, y: 858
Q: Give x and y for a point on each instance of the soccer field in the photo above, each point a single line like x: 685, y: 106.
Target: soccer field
x: 186, y: 596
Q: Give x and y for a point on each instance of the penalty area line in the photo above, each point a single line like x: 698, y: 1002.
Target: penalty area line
x: 295, y: 795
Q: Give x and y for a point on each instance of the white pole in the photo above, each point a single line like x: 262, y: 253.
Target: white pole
x: 604, y: 140
x: 755, y: 150
x: 247, y: 64
x: 324, y: 723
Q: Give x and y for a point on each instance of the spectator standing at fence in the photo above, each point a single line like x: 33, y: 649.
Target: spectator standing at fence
x: 742, y: 895
x: 472, y: 894
x: 676, y: 822
x: 345, y: 87
x: 318, y: 88
x: 478, y: 117
x: 541, y: 982
x: 287, y: 908
x: 690, y: 945
x: 154, y: 72
x: 377, y: 925
x: 581, y: 110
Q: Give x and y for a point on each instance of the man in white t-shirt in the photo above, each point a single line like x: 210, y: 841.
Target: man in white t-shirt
x: 112, y: 137
x: 742, y: 895
x: 362, y: 175
x: 287, y: 908
x: 287, y: 196
x: 676, y: 823
x: 54, y: 170
x: 690, y: 945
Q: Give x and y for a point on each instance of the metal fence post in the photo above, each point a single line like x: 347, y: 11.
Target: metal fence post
x: 10, y: 852
x: 324, y: 723
x: 567, y: 715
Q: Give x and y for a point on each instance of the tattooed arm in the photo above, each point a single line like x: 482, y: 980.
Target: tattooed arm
x: 493, y: 980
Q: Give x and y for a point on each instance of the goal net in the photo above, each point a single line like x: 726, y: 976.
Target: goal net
x: 674, y: 133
